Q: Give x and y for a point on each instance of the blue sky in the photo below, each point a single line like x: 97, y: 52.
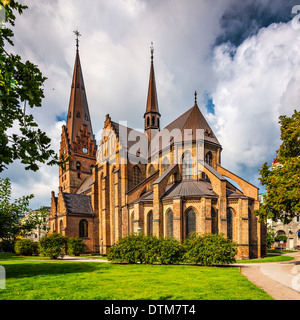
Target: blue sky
x: 242, y: 57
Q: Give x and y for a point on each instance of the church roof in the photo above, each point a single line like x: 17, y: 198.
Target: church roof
x: 78, y: 113
x: 193, y: 119
x: 86, y: 185
x: 78, y: 203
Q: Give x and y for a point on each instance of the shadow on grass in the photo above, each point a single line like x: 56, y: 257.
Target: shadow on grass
x: 32, y: 269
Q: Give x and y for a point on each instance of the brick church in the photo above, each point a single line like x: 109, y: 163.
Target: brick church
x: 114, y: 189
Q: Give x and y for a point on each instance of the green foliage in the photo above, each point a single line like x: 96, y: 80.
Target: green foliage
x: 76, y: 246
x: 11, y: 213
x: 26, y: 247
x: 209, y: 249
x: 204, y: 250
x: 53, y: 245
x: 21, y: 86
x: 281, y: 179
x: 281, y: 237
x: 270, y: 238
x: 7, y: 245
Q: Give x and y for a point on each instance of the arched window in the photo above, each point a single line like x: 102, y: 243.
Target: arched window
x: 150, y: 223
x: 148, y: 121
x: 136, y: 176
x: 158, y: 122
x: 229, y: 217
x: 78, y: 165
x: 165, y: 164
x: 208, y: 158
x: 92, y: 167
x: 190, y: 222
x: 170, y: 223
x: 214, y: 220
x: 83, y: 228
x: 78, y: 115
x: 132, y: 223
x: 61, y: 225
x: 187, y: 165
x: 153, y: 120
x: 150, y: 170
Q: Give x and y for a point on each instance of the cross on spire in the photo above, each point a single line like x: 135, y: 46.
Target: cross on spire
x: 195, y: 97
x: 77, y: 38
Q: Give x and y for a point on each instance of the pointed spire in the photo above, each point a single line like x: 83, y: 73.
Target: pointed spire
x: 78, y: 113
x: 152, y: 103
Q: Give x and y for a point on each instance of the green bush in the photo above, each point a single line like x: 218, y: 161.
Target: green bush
x: 145, y: 249
x: 53, y: 245
x: 26, y: 247
x: 206, y: 250
x: 7, y: 245
x: 209, y: 249
x: 76, y: 246
x: 170, y: 251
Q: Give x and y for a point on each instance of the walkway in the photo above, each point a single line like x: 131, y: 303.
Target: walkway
x: 281, y: 280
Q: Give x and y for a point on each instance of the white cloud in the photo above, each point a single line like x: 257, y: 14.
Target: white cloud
x: 255, y: 86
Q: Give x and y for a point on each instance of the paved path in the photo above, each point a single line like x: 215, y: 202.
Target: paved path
x: 281, y: 280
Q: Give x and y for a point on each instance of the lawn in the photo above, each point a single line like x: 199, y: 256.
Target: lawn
x: 66, y: 280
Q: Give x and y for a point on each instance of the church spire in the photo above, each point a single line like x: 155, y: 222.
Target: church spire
x: 152, y: 115
x: 78, y: 113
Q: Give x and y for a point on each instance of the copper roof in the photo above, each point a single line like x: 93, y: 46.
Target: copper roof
x: 193, y: 119
x: 78, y: 113
x: 152, y: 103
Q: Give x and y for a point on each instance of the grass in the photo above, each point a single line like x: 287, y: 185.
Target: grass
x: 65, y: 280
x: 268, y: 258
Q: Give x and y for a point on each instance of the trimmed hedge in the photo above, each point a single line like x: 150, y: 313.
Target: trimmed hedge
x: 26, y: 247
x: 206, y: 250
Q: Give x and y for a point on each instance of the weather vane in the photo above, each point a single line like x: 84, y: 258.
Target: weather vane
x: 195, y: 97
x: 77, y: 37
x: 152, y: 50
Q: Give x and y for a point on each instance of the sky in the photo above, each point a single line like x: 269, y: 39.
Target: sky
x: 242, y: 58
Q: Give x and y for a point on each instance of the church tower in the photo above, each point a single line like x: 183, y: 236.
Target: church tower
x: 78, y: 142
x: 152, y: 115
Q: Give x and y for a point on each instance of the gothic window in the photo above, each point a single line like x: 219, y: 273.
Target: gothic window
x: 148, y: 121
x: 214, y: 220
x: 78, y: 115
x: 187, y: 165
x: 150, y: 223
x: 132, y: 223
x: 78, y: 165
x: 158, y: 122
x: 150, y: 170
x: 170, y: 223
x: 83, y: 228
x: 208, y: 158
x: 136, y: 176
x: 61, y: 225
x: 165, y: 164
x: 229, y: 217
x: 153, y: 120
x: 190, y: 222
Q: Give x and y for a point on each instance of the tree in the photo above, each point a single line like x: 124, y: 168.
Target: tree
x: 21, y: 88
x: 282, y: 178
x: 11, y: 213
